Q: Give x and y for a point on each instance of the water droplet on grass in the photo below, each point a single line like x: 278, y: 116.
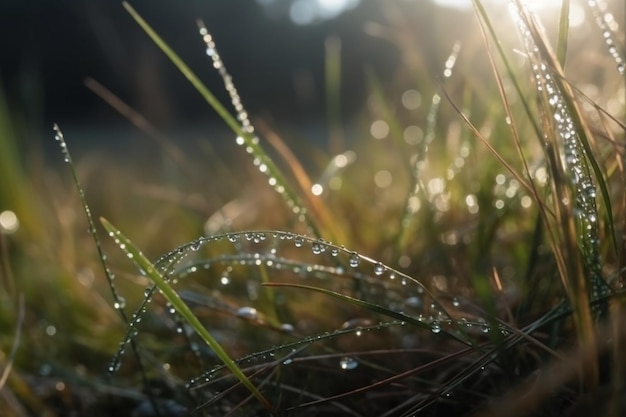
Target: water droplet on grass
x: 379, y: 269
x: 317, y: 248
x: 484, y: 327
x: 196, y: 245
x: 287, y: 328
x: 249, y: 313
x: 435, y: 327
x: 347, y: 363
x: 120, y: 303
x: 354, y: 260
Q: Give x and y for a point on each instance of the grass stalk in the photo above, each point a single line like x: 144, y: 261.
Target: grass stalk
x: 244, y: 133
x: 174, y: 299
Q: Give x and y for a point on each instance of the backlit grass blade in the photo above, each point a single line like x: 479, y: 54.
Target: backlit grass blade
x: 243, y: 131
x: 570, y: 155
x: 484, y: 17
x: 174, y: 299
x: 117, y: 299
x: 563, y: 33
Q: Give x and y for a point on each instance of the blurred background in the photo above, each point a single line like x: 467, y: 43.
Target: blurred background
x: 274, y: 49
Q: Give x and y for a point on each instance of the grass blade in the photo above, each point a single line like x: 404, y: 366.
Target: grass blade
x: 563, y: 33
x: 374, y: 308
x: 174, y: 299
x: 242, y: 128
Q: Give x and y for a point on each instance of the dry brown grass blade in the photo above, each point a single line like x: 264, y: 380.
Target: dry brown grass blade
x: 392, y: 379
x: 493, y: 151
x: 574, y: 273
x: 136, y: 119
x: 318, y: 209
x: 544, y: 210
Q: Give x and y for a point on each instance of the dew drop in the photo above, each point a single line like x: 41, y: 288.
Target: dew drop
x: 298, y: 242
x: 354, y: 260
x: 249, y: 313
x: 484, y: 327
x: 317, y: 248
x: 456, y: 302
x: 288, y: 361
x: 334, y: 251
x: 120, y: 303
x: 287, y: 328
x: 347, y: 363
x: 115, y: 366
x: 379, y: 269
x: 435, y: 327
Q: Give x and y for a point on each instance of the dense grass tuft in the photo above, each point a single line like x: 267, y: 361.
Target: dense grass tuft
x: 465, y: 259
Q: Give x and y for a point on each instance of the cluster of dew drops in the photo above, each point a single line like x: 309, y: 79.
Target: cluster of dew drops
x: 608, y: 26
x: 248, y: 137
x: 585, y: 205
x: 317, y: 247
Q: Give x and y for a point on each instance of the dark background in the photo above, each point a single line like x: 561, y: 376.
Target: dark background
x: 48, y: 48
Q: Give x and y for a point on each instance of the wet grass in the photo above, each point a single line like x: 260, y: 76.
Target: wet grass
x: 466, y: 257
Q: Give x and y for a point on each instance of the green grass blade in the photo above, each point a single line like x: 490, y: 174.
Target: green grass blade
x: 174, y: 299
x: 117, y: 299
x: 563, y: 33
x: 185, y: 70
x: 515, y: 79
x: 376, y: 309
x: 277, y: 179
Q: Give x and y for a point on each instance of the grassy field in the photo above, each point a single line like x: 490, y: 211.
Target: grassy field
x: 457, y: 249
